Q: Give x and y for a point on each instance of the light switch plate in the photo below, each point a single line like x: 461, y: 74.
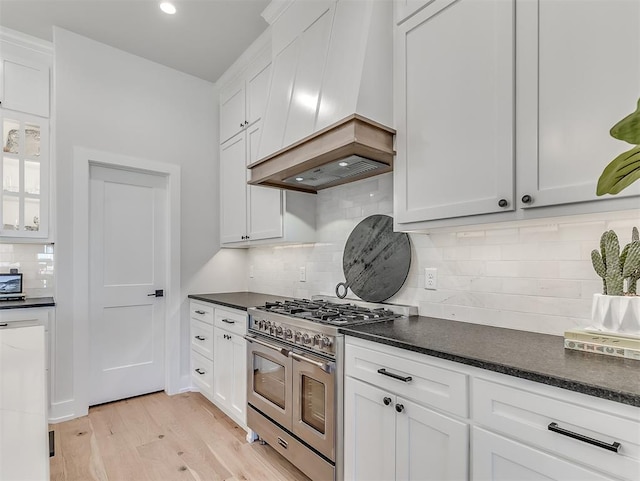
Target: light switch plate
x: 303, y: 274
x: 251, y: 272
x: 431, y: 278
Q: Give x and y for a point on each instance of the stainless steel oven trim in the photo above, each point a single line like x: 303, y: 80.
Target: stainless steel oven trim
x: 292, y: 321
x: 322, y: 442
x: 283, y: 351
x: 273, y: 354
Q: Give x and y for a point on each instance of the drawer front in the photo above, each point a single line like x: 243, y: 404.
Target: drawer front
x: 526, y: 416
x: 201, y: 311
x: 202, y: 373
x: 429, y: 385
x: 232, y: 321
x: 202, y: 338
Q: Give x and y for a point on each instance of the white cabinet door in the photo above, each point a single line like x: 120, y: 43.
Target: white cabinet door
x: 237, y: 365
x: 257, y: 86
x: 429, y: 446
x: 369, y: 433
x: 265, y: 203
x: 233, y: 192
x: 222, y: 359
x: 499, y: 459
x: 232, y: 111
x: 24, y: 86
x: 454, y: 100
x: 573, y: 86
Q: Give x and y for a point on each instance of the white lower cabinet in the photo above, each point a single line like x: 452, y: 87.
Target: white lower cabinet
x: 230, y: 364
x: 391, y: 436
x: 425, y: 418
x: 201, y: 335
x: 498, y: 458
x: 219, y: 357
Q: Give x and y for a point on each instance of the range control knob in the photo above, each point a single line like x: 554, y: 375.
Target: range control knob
x: 261, y: 324
x: 316, y: 339
x: 306, y: 339
x: 279, y: 331
x: 288, y: 334
x: 298, y: 336
x: 325, y: 342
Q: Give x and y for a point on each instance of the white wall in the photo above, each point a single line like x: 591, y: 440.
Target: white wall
x: 112, y: 101
x: 534, y: 276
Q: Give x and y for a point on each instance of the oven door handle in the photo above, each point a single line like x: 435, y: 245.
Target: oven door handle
x: 281, y: 350
x: 325, y: 366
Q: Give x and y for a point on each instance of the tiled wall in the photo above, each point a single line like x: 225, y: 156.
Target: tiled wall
x: 529, y: 276
x: 35, y: 262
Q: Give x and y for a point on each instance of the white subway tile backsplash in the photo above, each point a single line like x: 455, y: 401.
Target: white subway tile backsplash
x: 35, y: 262
x: 531, y: 277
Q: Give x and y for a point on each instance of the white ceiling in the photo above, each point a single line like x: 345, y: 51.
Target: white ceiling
x: 202, y: 39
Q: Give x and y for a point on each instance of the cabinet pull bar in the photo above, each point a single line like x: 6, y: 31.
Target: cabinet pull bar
x: 199, y: 338
x: 202, y: 313
x: 4, y: 324
x: 199, y: 371
x: 585, y: 439
x: 228, y: 321
x: 384, y: 372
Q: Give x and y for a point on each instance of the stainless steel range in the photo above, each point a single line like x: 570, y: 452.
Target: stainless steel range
x: 296, y: 377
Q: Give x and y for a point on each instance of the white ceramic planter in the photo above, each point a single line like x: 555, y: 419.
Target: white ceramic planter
x: 616, y: 313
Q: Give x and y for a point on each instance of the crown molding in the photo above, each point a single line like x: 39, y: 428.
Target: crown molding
x: 23, y: 40
x: 275, y: 9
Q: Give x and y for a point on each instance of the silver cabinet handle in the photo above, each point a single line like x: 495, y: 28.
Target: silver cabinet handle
x: 585, y: 439
x: 228, y: 321
x: 202, y: 313
x: 326, y: 367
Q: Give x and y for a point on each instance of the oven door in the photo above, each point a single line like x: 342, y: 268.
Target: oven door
x: 269, y: 380
x: 314, y: 381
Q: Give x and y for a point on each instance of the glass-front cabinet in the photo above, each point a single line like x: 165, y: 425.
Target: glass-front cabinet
x: 24, y: 171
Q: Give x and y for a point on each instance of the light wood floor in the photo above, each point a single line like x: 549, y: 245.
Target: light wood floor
x: 158, y: 437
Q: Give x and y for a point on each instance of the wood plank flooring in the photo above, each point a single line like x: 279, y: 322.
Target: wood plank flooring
x: 158, y: 437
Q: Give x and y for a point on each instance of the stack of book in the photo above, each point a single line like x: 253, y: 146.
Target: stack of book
x: 610, y: 344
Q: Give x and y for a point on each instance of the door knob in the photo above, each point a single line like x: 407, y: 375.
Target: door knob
x: 503, y: 203
x: 158, y: 293
x: 527, y: 199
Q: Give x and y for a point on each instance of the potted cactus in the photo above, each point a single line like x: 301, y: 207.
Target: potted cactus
x: 617, y: 309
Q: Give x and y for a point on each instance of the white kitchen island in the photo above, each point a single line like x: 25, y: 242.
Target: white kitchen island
x: 24, y: 442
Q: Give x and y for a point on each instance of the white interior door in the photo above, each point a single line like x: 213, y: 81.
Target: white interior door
x: 126, y: 264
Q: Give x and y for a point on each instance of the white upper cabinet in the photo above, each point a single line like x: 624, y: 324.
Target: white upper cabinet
x: 24, y: 85
x: 24, y: 124
x: 242, y: 101
x: 455, y: 102
x: 501, y: 108
x: 573, y: 86
x: 233, y: 197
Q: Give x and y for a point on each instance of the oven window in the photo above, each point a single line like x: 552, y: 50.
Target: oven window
x: 313, y: 408
x: 268, y: 379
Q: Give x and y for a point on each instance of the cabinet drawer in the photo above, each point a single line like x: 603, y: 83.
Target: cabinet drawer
x: 202, y: 338
x: 202, y: 373
x: 429, y: 385
x: 232, y: 321
x: 202, y: 312
x: 526, y: 415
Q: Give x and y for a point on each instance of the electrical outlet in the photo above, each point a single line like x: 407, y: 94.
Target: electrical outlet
x: 431, y: 278
x: 303, y: 274
x: 251, y: 272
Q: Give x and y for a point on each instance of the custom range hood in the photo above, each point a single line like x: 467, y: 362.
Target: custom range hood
x: 330, y: 98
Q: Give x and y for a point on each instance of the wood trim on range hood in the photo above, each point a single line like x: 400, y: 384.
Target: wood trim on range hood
x: 352, y: 136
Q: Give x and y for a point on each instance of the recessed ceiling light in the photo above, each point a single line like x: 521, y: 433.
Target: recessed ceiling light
x: 168, y: 8
x: 343, y: 164
x: 299, y: 179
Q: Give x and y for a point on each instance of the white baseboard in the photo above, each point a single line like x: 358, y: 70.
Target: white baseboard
x: 62, y: 411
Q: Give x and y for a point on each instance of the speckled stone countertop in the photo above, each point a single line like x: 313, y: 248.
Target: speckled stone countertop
x: 237, y: 300
x: 528, y: 355
x: 28, y: 302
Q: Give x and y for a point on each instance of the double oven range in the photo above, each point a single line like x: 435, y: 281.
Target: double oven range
x: 295, y: 377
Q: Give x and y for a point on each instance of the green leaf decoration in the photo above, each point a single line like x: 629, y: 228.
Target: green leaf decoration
x: 628, y: 129
x: 620, y: 173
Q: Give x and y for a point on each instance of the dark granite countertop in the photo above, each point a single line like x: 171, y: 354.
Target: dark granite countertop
x: 28, y: 302
x: 237, y: 300
x: 528, y: 355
